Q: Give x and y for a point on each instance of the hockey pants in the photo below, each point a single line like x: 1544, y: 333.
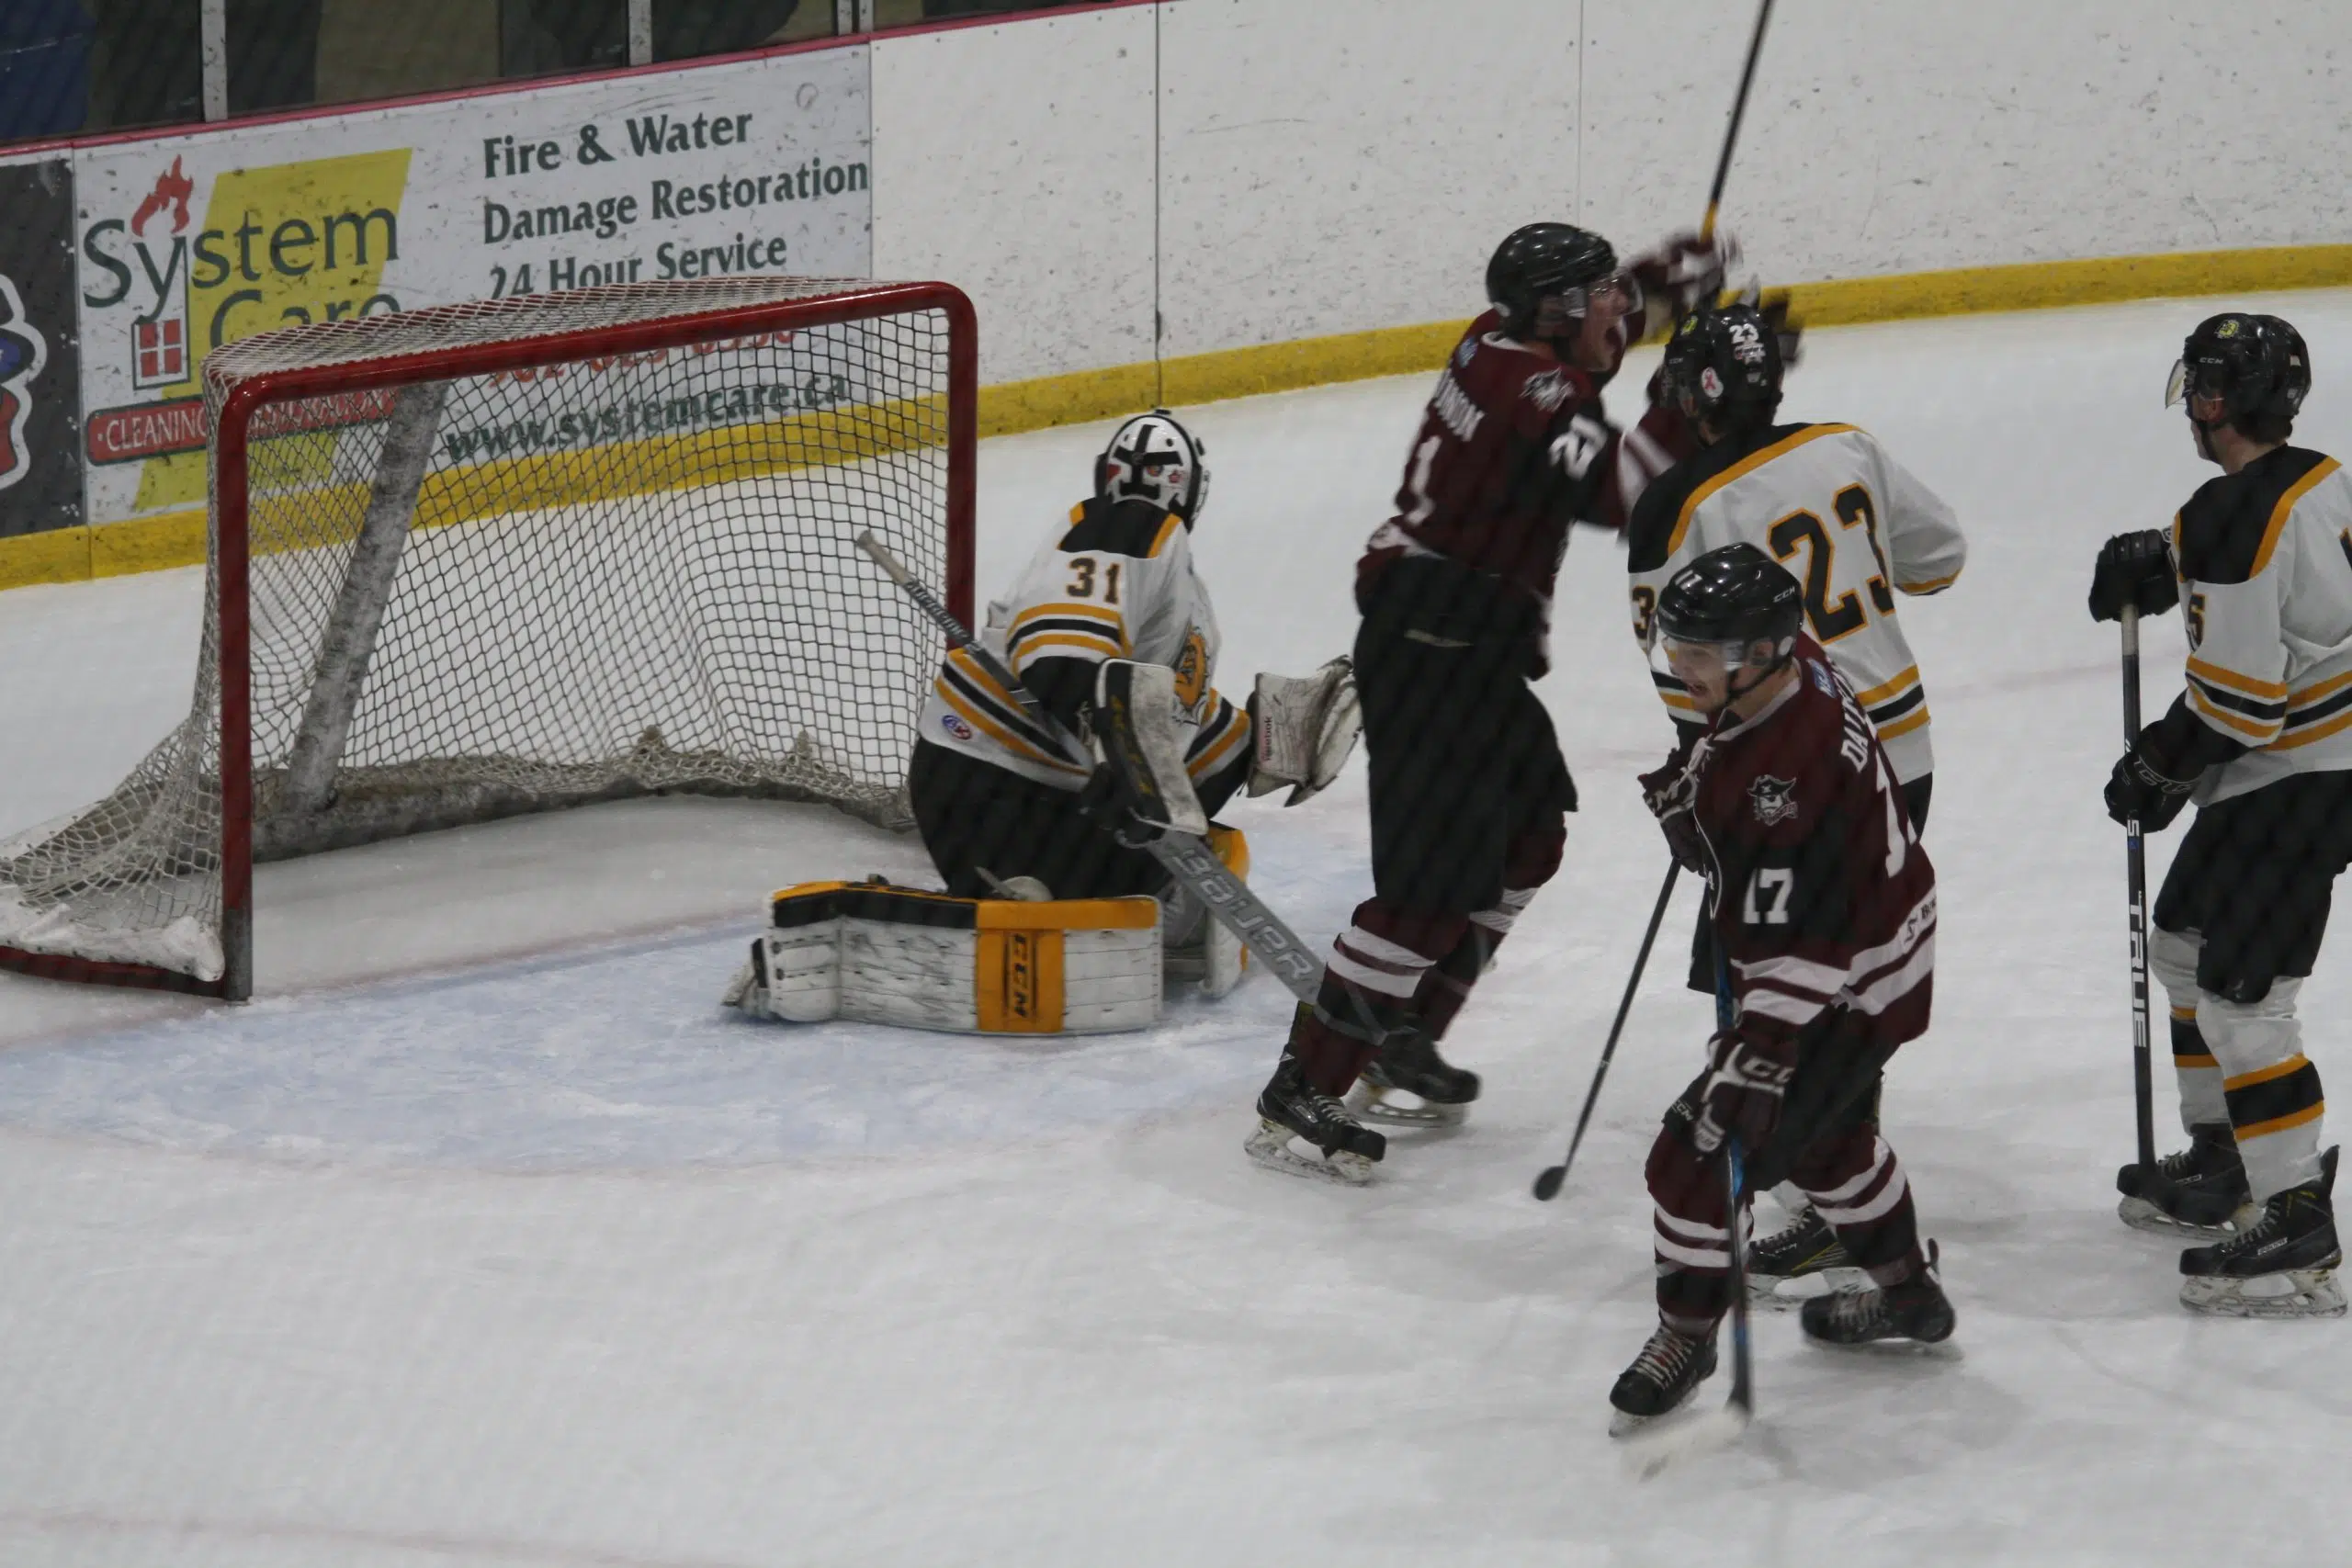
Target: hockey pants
x: 2238, y: 926
x: 1826, y: 1142
x: 1469, y: 797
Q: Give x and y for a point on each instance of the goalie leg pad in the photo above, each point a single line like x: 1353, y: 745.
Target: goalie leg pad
x: 923, y: 960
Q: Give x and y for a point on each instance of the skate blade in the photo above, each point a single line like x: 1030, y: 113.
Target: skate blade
x: 1662, y: 1442
x: 1896, y: 1348
x: 1374, y: 1105
x: 1765, y: 1289
x: 1270, y: 1146
x: 2143, y: 1215
x: 2291, y: 1292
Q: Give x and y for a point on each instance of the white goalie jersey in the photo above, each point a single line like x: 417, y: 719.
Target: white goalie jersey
x: 1851, y: 524
x: 1114, y: 580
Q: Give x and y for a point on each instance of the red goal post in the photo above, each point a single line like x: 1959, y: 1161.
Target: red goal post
x: 648, y: 587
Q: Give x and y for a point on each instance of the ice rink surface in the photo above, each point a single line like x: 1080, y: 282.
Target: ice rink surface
x: 486, y: 1237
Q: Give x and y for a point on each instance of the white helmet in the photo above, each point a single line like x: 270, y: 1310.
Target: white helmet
x: 1154, y: 458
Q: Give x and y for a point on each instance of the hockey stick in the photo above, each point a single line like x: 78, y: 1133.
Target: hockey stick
x: 2135, y: 851
x: 1650, y: 1451
x: 1738, y: 112
x: 1547, y: 1182
x: 1188, y: 859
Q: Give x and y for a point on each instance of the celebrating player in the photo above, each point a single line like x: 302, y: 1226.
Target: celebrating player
x: 1111, y: 588
x: 2261, y: 740
x: 1824, y: 913
x: 1468, y: 789
x: 1829, y: 500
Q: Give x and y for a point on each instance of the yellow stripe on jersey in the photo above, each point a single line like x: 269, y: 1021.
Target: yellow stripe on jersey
x: 2307, y: 696
x: 1167, y: 531
x: 1933, y: 584
x: 2278, y: 525
x: 971, y: 713
x: 1219, y: 751
x: 1678, y: 701
x: 2270, y: 690
x: 2318, y: 731
x: 1878, y: 694
x: 2254, y: 731
x: 1024, y: 655
x: 1745, y: 466
x: 1110, y: 620
x: 1916, y: 719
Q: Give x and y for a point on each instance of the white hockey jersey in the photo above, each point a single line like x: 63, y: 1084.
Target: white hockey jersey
x: 1114, y: 580
x: 2265, y: 559
x: 1849, y: 522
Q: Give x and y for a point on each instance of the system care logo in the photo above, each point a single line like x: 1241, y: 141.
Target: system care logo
x: 22, y: 356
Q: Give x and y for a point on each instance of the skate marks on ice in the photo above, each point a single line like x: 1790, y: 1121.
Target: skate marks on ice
x: 610, y: 1058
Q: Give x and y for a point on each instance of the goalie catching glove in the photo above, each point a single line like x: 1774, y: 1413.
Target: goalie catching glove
x: 1302, y: 729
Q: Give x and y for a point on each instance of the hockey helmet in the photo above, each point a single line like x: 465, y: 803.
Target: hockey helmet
x: 1733, y: 598
x: 1725, y: 363
x: 2255, y: 366
x: 1152, y: 457
x: 1550, y: 261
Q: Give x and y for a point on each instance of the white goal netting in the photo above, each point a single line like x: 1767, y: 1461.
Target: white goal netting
x: 598, y: 572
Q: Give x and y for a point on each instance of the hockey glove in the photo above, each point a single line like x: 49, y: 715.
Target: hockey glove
x: 1745, y: 1080
x: 2133, y: 570
x: 1303, y: 729
x: 1669, y: 793
x: 1141, y: 789
x: 1684, y: 272
x: 2137, y: 788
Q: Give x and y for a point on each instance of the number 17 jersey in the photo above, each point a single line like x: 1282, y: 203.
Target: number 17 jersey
x: 1851, y: 524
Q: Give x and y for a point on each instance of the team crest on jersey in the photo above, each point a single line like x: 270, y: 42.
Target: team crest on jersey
x: 1775, y: 799
x: 1549, y: 390
x: 956, y: 728
x: 1193, y: 670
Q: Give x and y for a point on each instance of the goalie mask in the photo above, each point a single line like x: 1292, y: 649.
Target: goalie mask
x: 1156, y: 459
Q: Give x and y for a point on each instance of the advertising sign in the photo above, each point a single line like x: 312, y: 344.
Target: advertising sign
x: 40, y: 401
x: 183, y: 245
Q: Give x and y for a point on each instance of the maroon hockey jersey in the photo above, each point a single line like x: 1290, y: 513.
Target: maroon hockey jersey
x: 1512, y: 450
x: 1822, y: 896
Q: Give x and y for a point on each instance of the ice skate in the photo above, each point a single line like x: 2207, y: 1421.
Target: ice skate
x: 1668, y: 1372
x: 1806, y: 1249
x: 1915, y: 1311
x: 2283, y: 1265
x: 2199, y: 1190
x: 1439, y: 1093
x: 1290, y: 1112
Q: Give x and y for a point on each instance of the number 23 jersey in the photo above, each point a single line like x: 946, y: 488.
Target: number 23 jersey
x: 1114, y: 580
x: 1851, y: 524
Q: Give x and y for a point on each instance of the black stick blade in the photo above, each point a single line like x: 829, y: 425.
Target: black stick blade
x: 1547, y: 1184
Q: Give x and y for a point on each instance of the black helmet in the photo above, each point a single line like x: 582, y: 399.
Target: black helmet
x: 1736, y: 594
x: 1725, y: 363
x: 1544, y: 259
x: 2256, y: 366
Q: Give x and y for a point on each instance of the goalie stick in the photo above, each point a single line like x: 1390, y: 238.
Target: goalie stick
x: 1188, y: 859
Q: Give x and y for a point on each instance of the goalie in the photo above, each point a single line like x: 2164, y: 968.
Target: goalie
x: 1111, y: 609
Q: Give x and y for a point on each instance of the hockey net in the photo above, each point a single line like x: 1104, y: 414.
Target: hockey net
x: 485, y: 560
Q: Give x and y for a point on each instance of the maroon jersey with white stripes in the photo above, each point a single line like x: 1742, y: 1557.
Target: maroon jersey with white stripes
x: 1512, y: 450
x: 1824, y: 897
